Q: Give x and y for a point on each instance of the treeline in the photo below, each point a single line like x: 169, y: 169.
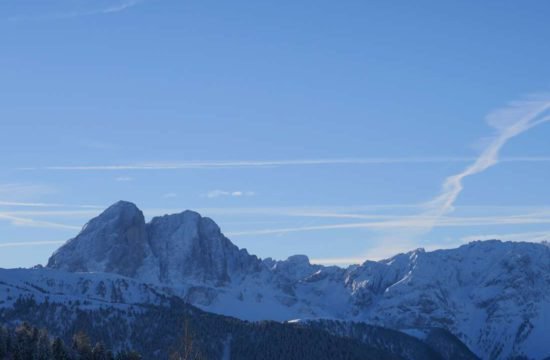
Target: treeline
x: 26, y: 342
x: 182, y: 332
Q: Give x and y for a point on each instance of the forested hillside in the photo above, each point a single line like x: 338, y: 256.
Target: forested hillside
x: 182, y: 331
x: 25, y: 342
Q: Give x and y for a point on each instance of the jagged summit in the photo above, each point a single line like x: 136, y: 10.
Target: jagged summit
x: 493, y: 295
x: 169, y: 249
x: 115, y: 241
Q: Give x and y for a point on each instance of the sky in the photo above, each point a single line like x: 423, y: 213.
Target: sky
x: 342, y: 130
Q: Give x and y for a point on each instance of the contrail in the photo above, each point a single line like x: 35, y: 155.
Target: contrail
x: 408, y: 223
x: 509, y: 122
x: 19, y: 221
x: 46, y: 205
x: 116, y: 7
x: 29, y: 243
x: 186, y: 165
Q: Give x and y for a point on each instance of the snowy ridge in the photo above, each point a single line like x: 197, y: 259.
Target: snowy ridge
x: 494, y: 296
x: 94, y: 289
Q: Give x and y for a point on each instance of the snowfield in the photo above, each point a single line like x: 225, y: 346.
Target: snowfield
x: 493, y: 295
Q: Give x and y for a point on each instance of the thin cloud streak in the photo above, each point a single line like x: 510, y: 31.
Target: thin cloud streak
x: 29, y: 243
x: 541, y: 216
x: 271, y: 163
x: 406, y: 222
x: 83, y: 214
x: 19, y: 221
x: 27, y: 204
x: 509, y: 123
x: 121, y: 7
x: 336, y: 212
x: 46, y: 205
x: 223, y: 193
x: 115, y: 8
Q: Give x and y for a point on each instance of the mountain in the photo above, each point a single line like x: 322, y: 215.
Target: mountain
x: 494, y: 296
x: 170, y: 249
x: 123, y: 313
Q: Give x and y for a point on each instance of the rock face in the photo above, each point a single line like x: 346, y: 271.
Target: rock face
x: 188, y: 247
x: 115, y: 242
x: 171, y: 249
x: 493, y: 295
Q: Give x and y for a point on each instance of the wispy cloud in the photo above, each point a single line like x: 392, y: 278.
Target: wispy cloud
x: 408, y: 222
x: 27, y: 222
x: 222, y: 193
x: 508, y: 122
x: 102, y: 7
x: 10, y: 195
x: 24, y: 190
x: 124, y: 178
x: 170, y: 195
x: 17, y: 194
x: 120, y: 6
x: 109, y: 9
x: 46, y: 205
x: 186, y: 165
x: 58, y: 214
x: 29, y: 243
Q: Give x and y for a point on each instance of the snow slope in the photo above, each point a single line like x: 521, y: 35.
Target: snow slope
x: 495, y: 296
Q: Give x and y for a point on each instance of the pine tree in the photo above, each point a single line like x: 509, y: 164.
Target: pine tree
x: 128, y: 355
x: 99, y: 352
x: 187, y: 349
x: 3, y: 342
x: 24, y: 347
x: 43, y: 346
x: 82, y: 346
x: 58, y: 350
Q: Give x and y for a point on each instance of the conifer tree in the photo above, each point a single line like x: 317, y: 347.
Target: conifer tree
x: 58, y: 350
x: 81, y: 345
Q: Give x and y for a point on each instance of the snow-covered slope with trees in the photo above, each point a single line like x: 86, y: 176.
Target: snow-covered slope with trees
x: 125, y: 314
x: 495, y: 296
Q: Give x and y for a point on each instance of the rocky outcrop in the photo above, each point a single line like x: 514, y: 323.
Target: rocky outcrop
x: 171, y: 249
x: 115, y: 242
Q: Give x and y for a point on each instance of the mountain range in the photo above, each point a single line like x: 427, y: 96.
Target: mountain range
x: 486, y: 299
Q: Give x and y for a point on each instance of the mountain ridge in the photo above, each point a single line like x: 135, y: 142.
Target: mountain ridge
x: 493, y: 295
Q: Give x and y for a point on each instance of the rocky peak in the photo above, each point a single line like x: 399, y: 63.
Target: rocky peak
x: 294, y: 268
x: 170, y: 249
x: 298, y: 260
x: 115, y: 241
x: 191, y: 247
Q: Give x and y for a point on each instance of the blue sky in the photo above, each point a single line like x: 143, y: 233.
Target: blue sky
x: 341, y: 130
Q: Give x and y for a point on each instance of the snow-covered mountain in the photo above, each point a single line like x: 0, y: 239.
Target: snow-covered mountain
x: 495, y: 296
x: 171, y: 249
x: 123, y: 313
